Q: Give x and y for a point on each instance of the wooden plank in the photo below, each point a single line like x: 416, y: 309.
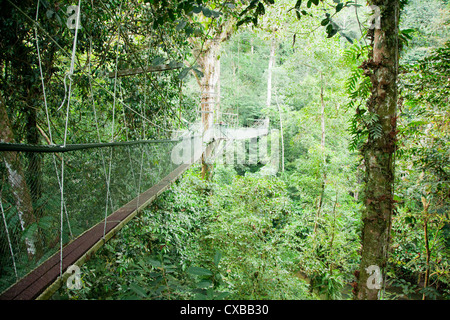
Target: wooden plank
x: 158, y: 68
x: 43, y: 281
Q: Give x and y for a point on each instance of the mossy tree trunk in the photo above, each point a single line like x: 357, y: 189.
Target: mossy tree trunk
x: 19, y: 187
x: 378, y: 153
x: 209, y: 64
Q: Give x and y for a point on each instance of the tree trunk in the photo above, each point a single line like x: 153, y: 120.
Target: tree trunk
x: 281, y: 134
x: 269, y: 72
x: 322, y: 145
x: 18, y: 184
x: 210, y: 83
x: 209, y: 91
x: 426, y: 205
x: 378, y: 152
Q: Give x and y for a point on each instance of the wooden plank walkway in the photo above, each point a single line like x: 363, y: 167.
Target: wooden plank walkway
x: 43, y: 281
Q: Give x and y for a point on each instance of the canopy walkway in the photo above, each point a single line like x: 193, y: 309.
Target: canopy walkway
x: 61, y: 202
x: 48, y: 275
x: 43, y: 281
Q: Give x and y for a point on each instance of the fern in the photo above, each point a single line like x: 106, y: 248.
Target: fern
x: 358, y: 88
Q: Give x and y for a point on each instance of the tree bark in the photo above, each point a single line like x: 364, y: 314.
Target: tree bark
x: 209, y: 64
x: 322, y: 145
x: 208, y: 83
x: 378, y: 152
x: 269, y: 72
x: 426, y: 205
x: 18, y: 184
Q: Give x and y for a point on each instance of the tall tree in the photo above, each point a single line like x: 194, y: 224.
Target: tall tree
x: 378, y: 152
x: 207, y: 54
x: 269, y: 72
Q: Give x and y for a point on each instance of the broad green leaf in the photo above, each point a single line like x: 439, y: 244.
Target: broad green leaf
x: 196, y: 9
x: 141, y: 292
x: 217, y: 258
x: 205, y: 284
x: 198, y: 72
x: 200, y: 296
x: 154, y: 263
x: 45, y: 222
x: 158, y: 60
x: 198, y: 271
x: 206, y: 12
x: 183, y: 73
x: 181, y: 24
x: 222, y: 295
x: 339, y: 7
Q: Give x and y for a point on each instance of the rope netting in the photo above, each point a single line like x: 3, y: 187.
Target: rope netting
x: 98, y: 140
x: 107, y: 138
x: 31, y: 197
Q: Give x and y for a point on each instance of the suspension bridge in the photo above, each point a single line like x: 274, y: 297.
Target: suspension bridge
x: 50, y: 274
x: 61, y: 202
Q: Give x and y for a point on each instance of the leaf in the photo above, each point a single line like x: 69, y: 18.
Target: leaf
x: 206, y: 12
x: 154, y: 263
x: 196, y: 9
x: 45, y: 222
x: 173, y: 64
x: 183, y: 73
x: 198, y: 72
x: 229, y: 5
x: 217, y: 258
x: 260, y: 9
x: 141, y: 292
x: 49, y: 13
x: 205, y: 284
x: 298, y: 4
x: 215, y: 14
x: 200, y: 296
x: 332, y: 29
x: 181, y: 24
x: 158, y: 60
x: 339, y: 7
x: 222, y: 295
x: 244, y: 21
x: 30, y: 231
x: 324, y: 22
x: 198, y: 271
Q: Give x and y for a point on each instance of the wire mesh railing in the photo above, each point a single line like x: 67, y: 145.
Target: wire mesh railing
x: 40, y: 213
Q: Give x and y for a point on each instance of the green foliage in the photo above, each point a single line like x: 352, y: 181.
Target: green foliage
x: 247, y: 227
x: 241, y: 235
x: 423, y: 166
x: 156, y: 256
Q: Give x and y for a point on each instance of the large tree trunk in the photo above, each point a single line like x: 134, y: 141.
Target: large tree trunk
x: 209, y: 83
x: 378, y: 152
x: 210, y: 93
x: 18, y: 184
